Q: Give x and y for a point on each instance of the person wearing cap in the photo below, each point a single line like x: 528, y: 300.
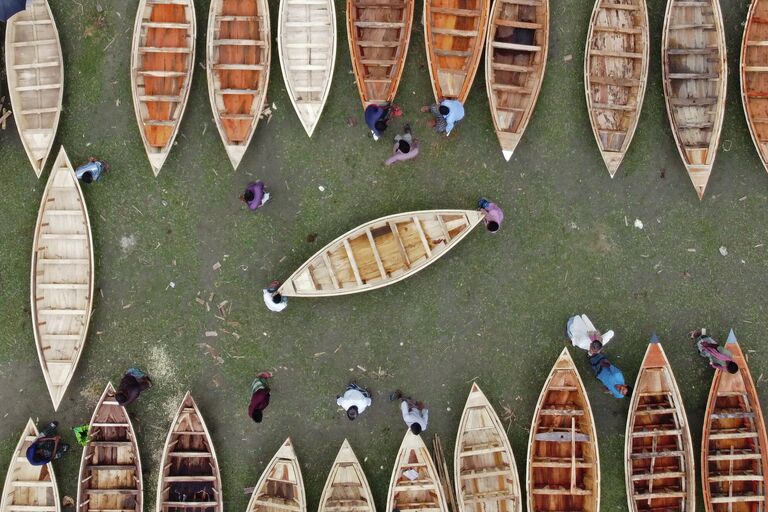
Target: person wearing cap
x: 406, y: 147
x: 273, y: 299
x: 492, y: 214
x: 354, y: 401
x: 445, y: 115
x: 92, y: 171
x: 255, y: 195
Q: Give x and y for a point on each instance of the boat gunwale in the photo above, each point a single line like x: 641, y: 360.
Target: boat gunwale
x: 285, y: 452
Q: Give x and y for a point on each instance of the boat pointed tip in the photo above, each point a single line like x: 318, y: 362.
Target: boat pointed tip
x: 507, y: 154
x: 475, y: 388
x: 731, y: 337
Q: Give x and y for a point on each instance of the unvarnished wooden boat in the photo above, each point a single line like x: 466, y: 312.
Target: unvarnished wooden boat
x: 695, y: 73
x: 28, y: 487
x: 35, y: 70
x: 484, y: 466
x: 734, y: 445
x: 189, y: 479
x: 563, y: 459
x: 615, y: 74
x: 281, y: 487
x: 415, y: 484
x: 754, y: 76
x: 378, y: 32
x: 162, y: 62
x: 658, y: 451
x: 515, y: 59
x: 237, y: 65
x: 346, y: 489
x: 61, y: 281
x: 110, y: 468
x: 306, y: 43
x: 380, y: 252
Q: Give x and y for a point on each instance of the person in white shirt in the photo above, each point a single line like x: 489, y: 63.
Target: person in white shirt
x: 415, y: 414
x: 583, y: 333
x: 354, y: 400
x: 273, y: 300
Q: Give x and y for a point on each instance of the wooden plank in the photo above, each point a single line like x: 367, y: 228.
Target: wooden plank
x: 658, y: 475
x: 422, y: 235
x: 331, y: 270
x: 376, y: 255
x: 399, y: 241
x: 515, y: 46
x: 352, y: 262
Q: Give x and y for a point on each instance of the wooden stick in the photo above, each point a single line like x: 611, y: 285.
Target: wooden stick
x: 443, y: 474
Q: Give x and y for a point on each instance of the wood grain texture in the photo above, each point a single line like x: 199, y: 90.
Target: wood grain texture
x: 281, y: 487
x: 422, y: 493
x: 754, y: 76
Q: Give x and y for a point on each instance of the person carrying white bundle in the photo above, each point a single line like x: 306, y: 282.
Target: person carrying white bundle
x: 583, y: 334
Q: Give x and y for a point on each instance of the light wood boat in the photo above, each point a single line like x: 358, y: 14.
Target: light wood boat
x: 29, y: 487
x: 695, y: 73
x: 162, y: 62
x: 658, y: 451
x: 454, y: 33
x: 189, y: 479
x: 754, y: 76
x: 484, y: 465
x: 346, y: 489
x: 110, y: 468
x: 280, y: 487
x: 306, y: 43
x: 515, y: 59
x: 237, y: 64
x: 563, y: 459
x: 415, y: 484
x: 734, y: 445
x: 35, y: 70
x: 380, y: 252
x: 615, y: 74
x: 61, y: 282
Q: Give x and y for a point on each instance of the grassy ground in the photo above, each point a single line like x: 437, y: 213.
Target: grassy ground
x: 493, y: 310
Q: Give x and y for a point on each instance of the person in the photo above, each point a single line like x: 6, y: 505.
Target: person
x: 446, y: 114
x: 585, y: 336
x: 609, y: 375
x: 415, y: 414
x: 92, y: 171
x: 274, y: 300
x: 355, y: 400
x: 377, y: 117
x: 720, y: 358
x: 259, y: 396
x: 255, y: 195
x: 47, y: 447
x: 492, y: 214
x: 406, y: 147
x: 134, y: 382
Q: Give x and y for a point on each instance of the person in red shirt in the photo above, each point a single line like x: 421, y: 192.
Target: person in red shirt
x: 259, y: 396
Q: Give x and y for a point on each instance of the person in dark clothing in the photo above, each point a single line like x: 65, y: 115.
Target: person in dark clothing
x: 259, y: 396
x: 377, y: 117
x: 47, y: 447
x: 134, y: 382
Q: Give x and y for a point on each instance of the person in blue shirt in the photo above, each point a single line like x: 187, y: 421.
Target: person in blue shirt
x: 446, y: 114
x: 92, y: 171
x: 377, y: 117
x: 609, y: 375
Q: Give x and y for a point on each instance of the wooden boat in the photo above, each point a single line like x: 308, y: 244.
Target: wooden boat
x: 306, y: 43
x: 162, y: 62
x: 35, y: 70
x: 658, y: 451
x: 280, y: 487
x: 346, y: 489
x: 189, y: 478
x: 563, y: 459
x: 515, y: 59
x: 695, y: 73
x: 415, y: 484
x: 237, y: 63
x: 378, y: 32
x: 454, y: 33
x: 754, y: 76
x: 615, y: 74
x: 110, y: 468
x: 29, y: 487
x: 380, y: 252
x: 61, y: 282
x: 734, y: 445
x: 484, y: 465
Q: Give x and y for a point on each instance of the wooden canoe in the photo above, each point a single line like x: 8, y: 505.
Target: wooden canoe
x: 378, y: 33
x: 754, y: 79
x: 380, y: 252
x: 658, y: 451
x: 29, y: 487
x: 162, y: 64
x: 35, y: 70
x: 189, y: 479
x: 563, y: 459
x: 695, y: 72
x: 306, y: 43
x: 515, y: 59
x: 110, y: 468
x: 237, y: 65
x: 734, y: 445
x: 415, y: 484
x: 484, y: 465
x: 281, y: 486
x: 61, y: 281
x: 454, y: 33
x: 615, y: 74
x: 346, y: 489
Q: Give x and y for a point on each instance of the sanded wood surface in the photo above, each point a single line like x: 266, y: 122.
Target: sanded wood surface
x: 61, y: 281
x: 695, y: 73
x: 281, y: 487
x: 346, y: 489
x: 615, y: 74
x: 754, y: 76
x: 35, y: 70
x: 415, y: 485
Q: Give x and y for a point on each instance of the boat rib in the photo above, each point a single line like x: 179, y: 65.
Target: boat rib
x: 237, y: 65
x: 515, y: 60
x: 734, y: 445
x: 615, y: 74
x: 484, y: 465
x: 162, y: 62
x: 189, y: 479
x: 61, y: 281
x: 281, y: 486
x: 380, y: 252
x: 695, y: 73
x: 415, y: 484
x: 658, y: 452
x: 754, y: 76
x: 563, y: 458
x: 35, y: 71
x: 110, y: 468
x: 346, y: 489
